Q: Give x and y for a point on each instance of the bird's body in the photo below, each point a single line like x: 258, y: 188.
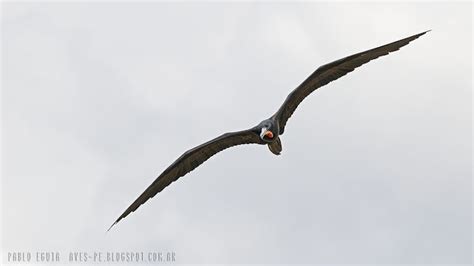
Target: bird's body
x: 268, y: 131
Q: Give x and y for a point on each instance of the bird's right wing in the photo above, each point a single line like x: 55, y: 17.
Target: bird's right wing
x: 332, y: 71
x: 189, y: 161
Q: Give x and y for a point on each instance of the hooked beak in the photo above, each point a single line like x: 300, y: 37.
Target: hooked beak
x: 266, y: 133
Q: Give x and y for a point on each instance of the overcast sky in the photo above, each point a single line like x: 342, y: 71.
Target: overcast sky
x: 98, y: 99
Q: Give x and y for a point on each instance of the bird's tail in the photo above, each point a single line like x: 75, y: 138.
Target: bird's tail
x: 275, y: 146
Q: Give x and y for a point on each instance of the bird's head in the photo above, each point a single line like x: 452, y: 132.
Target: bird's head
x: 268, y: 130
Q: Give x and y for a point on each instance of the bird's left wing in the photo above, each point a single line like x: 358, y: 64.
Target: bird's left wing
x: 189, y: 161
x: 332, y: 71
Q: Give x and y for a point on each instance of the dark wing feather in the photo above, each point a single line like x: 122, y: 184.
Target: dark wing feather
x: 189, y: 161
x: 332, y: 71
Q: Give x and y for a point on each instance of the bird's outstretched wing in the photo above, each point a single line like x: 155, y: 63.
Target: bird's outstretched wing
x: 189, y: 161
x: 332, y: 71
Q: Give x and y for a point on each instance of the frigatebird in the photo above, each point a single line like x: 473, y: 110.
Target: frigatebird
x: 269, y: 130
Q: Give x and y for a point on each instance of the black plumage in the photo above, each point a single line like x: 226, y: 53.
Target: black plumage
x: 269, y: 130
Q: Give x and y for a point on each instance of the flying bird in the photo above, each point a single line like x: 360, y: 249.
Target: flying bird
x: 268, y: 131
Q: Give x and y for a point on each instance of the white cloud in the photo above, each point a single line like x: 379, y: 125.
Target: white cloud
x: 99, y: 98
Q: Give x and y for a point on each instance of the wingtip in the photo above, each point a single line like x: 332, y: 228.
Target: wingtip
x: 423, y: 33
x: 111, y: 226
x: 416, y: 36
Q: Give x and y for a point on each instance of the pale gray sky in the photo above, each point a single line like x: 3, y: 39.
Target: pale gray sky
x: 98, y: 99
